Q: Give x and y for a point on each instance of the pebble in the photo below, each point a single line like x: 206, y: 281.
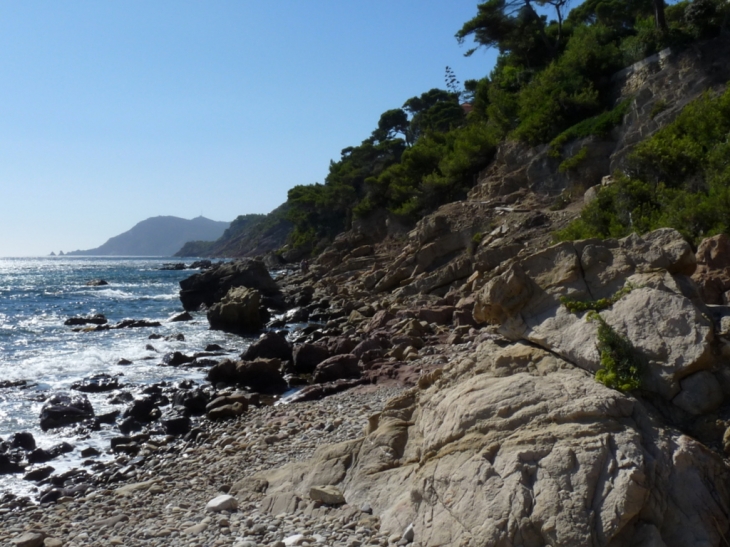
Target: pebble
x: 164, y: 502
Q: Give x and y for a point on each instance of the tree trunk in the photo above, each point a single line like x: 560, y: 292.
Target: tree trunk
x: 661, y: 21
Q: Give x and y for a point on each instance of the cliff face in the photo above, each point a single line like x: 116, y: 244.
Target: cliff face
x: 158, y: 236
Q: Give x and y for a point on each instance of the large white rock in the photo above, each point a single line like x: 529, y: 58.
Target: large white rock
x: 224, y: 502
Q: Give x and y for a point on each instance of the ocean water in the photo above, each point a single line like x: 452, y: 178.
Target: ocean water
x: 38, y: 294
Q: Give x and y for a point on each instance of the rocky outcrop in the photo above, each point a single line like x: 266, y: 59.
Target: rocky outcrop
x: 663, y: 316
x: 64, y: 409
x: 208, y: 287
x: 514, y: 446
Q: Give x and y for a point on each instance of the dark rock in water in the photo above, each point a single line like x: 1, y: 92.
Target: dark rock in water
x: 39, y: 473
x: 108, y: 418
x: 270, y: 346
x: 9, y: 465
x: 308, y: 356
x: 141, y: 409
x: 184, y: 316
x: 213, y: 347
x: 22, y: 440
x: 211, y: 286
x: 128, y: 425
x: 176, y: 359
x: 186, y: 384
x: 123, y: 361
x: 121, y: 398
x: 96, y: 283
x: 175, y: 423
x: 336, y: 368
x: 97, y: 319
x: 136, y: 323
x: 90, y: 452
x: 64, y: 409
x: 154, y: 336
x: 97, y: 383
x: 150, y: 347
x: 41, y: 455
x: 293, y: 380
x: 176, y: 266
x: 200, y: 265
x: 4, y: 384
x: 179, y: 337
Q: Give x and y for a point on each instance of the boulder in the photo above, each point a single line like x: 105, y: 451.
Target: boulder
x: 441, y: 315
x: 238, y: 312
x: 271, y: 345
x: 330, y: 495
x: 208, y: 287
x: 515, y: 446
x: 701, y: 394
x: 263, y: 375
x: 662, y: 316
x: 226, y: 411
x: 308, y: 356
x: 97, y: 319
x: 222, y: 503
x: 64, y: 409
x: 98, y: 383
x: 175, y: 423
x: 184, y: 316
x: 224, y: 372
x: 23, y: 440
x: 713, y: 269
x: 96, y: 283
x: 336, y: 368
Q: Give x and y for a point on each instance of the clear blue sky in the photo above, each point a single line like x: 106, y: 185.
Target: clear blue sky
x: 112, y: 112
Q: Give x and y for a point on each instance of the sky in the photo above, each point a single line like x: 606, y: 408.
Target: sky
x: 112, y: 112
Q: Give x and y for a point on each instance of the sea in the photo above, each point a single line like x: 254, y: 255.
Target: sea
x: 38, y: 294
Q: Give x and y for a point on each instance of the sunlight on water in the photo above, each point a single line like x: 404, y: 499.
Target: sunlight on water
x: 37, y: 295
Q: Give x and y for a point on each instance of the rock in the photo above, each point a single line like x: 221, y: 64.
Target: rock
x: 194, y: 401
x: 52, y: 542
x: 64, y: 409
x: 172, y: 266
x: 39, y: 473
x: 211, y: 286
x: 263, y: 375
x: 135, y: 324
x: 223, y: 372
x: 500, y: 435
x: 141, y: 409
x: 176, y: 358
x: 22, y: 440
x: 237, y: 312
x: 184, y: 316
x: 701, y: 394
x: 8, y: 465
x: 222, y: 503
x: 319, y: 391
x: 308, y: 356
x: 270, y: 345
x: 330, y: 495
x: 98, y: 383
x: 713, y: 269
x: 96, y: 283
x: 227, y: 411
x: 175, y: 423
x: 97, y: 319
x: 337, y: 367
x: 408, y: 534
x: 29, y: 539
x: 441, y: 315
x: 659, y: 317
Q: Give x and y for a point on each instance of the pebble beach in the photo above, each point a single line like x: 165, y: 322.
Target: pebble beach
x: 164, y: 498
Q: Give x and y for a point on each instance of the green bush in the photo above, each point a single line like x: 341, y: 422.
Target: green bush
x: 621, y: 366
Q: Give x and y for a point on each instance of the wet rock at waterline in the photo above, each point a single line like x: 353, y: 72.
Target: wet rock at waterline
x: 63, y: 409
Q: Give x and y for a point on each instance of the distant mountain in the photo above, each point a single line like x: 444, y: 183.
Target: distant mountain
x: 158, y: 236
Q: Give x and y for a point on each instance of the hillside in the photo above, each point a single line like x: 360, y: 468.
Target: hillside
x: 158, y: 236
x: 247, y: 235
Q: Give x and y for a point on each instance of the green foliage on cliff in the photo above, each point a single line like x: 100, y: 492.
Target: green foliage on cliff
x: 550, y: 85
x: 621, y: 365
x: 680, y: 178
